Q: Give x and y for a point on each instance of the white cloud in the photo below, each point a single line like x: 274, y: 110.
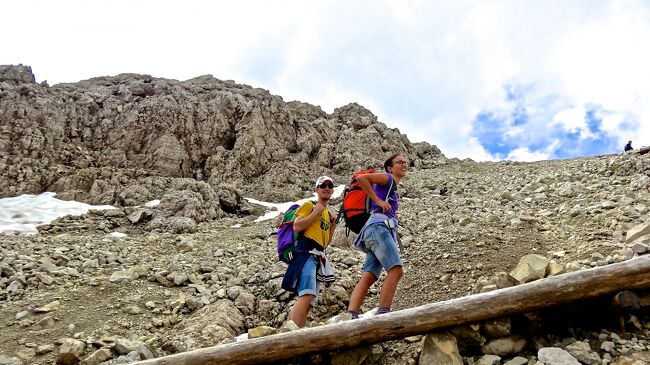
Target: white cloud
x: 524, y: 154
x: 572, y: 119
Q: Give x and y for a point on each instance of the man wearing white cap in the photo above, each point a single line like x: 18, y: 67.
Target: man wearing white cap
x: 309, y: 268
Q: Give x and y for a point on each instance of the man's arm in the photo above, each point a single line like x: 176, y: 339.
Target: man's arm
x: 301, y: 223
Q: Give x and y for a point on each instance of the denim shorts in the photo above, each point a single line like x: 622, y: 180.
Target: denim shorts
x: 381, y: 249
x: 307, y: 283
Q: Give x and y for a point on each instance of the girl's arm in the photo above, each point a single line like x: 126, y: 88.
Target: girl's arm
x: 366, y: 181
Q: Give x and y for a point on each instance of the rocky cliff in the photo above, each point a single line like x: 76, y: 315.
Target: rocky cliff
x: 101, y: 139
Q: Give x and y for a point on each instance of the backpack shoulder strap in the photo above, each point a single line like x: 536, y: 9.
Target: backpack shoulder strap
x: 340, y: 214
x: 392, y: 189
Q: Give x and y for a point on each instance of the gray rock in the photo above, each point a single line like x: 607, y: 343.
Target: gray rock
x: 530, y: 267
x: 132, y: 356
x: 123, y: 346
x: 640, y: 248
x: 583, y: 353
x: 440, y: 348
x: 357, y: 355
x: 556, y: 356
x: 495, y: 328
x: 636, y: 232
x: 6, y: 360
x: 123, y: 276
x: 516, y: 361
x: 607, y: 346
x: 97, y: 357
x: 504, y: 346
x: 261, y: 331
x: 70, y: 351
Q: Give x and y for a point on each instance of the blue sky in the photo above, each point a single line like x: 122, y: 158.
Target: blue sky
x: 489, y: 80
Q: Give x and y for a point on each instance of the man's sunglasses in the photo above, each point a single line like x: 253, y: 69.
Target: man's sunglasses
x: 326, y: 185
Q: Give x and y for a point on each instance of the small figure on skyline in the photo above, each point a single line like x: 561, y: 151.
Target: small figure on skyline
x: 628, y: 146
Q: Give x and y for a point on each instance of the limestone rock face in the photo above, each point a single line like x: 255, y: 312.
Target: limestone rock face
x: 95, y: 138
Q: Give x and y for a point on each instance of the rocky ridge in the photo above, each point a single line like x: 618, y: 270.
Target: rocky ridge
x: 99, y: 139
x: 77, y: 292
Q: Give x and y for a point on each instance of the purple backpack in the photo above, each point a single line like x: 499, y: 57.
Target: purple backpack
x: 286, y: 236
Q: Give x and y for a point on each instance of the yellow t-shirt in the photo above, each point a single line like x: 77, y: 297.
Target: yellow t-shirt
x: 319, y: 229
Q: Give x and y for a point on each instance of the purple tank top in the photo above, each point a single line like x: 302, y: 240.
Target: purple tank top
x: 382, y: 191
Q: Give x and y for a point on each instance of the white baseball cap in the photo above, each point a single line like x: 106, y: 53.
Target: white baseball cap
x: 322, y: 179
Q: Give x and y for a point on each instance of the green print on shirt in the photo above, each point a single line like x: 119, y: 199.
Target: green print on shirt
x: 324, y: 225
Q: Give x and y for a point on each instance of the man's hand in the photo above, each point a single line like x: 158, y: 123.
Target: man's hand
x: 318, y: 208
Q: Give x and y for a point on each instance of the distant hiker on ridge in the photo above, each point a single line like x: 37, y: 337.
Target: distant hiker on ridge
x: 378, y: 237
x: 628, y: 147
x: 309, y: 266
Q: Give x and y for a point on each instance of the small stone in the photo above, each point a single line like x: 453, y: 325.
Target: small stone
x: 340, y: 318
x: 440, y: 348
x: 123, y: 276
x: 6, y: 360
x: 145, y: 352
x: 124, y: 346
x: 582, y: 351
x: 162, y: 280
x: 45, y: 279
x: 44, y: 349
x: 504, y: 346
x: 413, y: 339
x: 640, y: 248
x: 289, y: 326
x: 52, y: 306
x: 261, y: 331
x: 46, y: 322
x: 180, y: 279
x: 489, y: 360
x: 70, y: 351
x: 555, y: 355
x: 133, y: 309
x: 517, y: 361
x: 97, y: 357
x: 26, y: 354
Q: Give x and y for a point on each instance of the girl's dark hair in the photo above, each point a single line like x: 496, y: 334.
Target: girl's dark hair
x: 389, y: 161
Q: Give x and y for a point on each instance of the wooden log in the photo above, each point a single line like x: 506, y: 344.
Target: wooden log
x: 631, y: 274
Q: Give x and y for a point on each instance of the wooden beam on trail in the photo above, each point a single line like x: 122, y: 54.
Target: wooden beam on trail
x: 584, y: 284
